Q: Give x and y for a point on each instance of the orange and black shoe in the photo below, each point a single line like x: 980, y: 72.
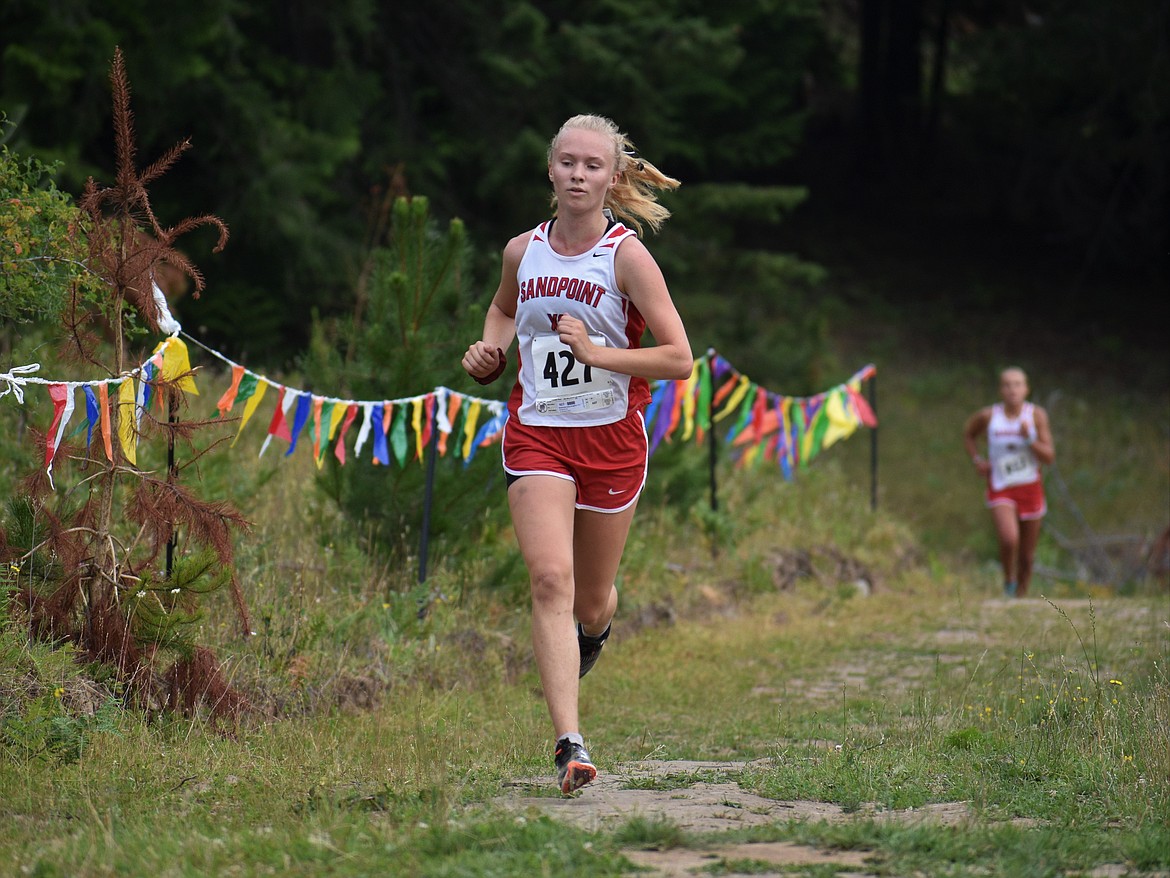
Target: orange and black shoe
x: 574, y: 768
x: 590, y: 646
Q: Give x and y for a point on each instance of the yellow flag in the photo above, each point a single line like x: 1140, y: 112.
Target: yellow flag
x: 689, y: 402
x: 250, y: 406
x: 737, y: 396
x: 841, y: 425
x: 335, y: 418
x: 175, y: 362
x: 127, y: 434
x: 416, y: 425
x: 469, y: 426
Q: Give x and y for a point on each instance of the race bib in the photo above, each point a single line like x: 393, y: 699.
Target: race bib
x: 563, y: 384
x: 1016, y: 468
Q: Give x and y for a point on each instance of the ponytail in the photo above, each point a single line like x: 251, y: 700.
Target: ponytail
x: 634, y: 198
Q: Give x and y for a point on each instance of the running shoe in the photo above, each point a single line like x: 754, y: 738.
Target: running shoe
x: 590, y: 647
x: 574, y: 768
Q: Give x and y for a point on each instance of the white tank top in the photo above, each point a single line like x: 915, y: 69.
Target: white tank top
x: 1009, y: 451
x: 553, y: 389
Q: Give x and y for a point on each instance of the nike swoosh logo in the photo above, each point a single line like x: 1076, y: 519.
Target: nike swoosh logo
x: 595, y: 255
x: 612, y: 491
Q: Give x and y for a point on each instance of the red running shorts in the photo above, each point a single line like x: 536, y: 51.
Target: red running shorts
x: 1028, y: 500
x: 607, y: 463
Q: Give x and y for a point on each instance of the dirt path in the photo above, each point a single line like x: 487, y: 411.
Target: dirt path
x: 713, y: 802
x: 705, y: 798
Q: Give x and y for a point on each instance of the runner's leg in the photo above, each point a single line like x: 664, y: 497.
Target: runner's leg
x: 1029, y: 537
x: 542, y: 516
x: 599, y: 539
x: 1007, y: 532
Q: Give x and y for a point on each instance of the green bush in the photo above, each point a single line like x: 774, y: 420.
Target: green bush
x: 42, y: 243
x: 48, y: 710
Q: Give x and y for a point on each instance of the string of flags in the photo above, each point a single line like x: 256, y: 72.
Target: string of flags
x: 391, y: 426
x: 131, y: 393
x: 766, y: 426
x: 384, y: 423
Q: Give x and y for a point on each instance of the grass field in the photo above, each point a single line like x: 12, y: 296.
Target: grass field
x: 382, y: 740
x: 1048, y: 720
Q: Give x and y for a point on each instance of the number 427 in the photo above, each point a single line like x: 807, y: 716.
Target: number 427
x: 564, y: 378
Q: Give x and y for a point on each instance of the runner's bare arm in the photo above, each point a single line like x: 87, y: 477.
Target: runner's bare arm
x: 975, y: 427
x: 499, y: 326
x: 1043, y: 446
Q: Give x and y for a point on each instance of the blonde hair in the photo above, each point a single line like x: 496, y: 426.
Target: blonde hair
x: 634, y: 197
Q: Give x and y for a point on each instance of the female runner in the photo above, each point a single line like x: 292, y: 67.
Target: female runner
x: 1019, y: 440
x: 577, y: 293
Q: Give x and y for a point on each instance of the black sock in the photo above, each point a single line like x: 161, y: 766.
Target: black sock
x: 594, y: 638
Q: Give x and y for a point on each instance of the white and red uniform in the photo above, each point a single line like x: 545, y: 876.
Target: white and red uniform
x: 1014, y: 479
x: 606, y: 453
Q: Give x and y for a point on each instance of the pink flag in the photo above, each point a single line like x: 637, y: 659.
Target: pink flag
x: 339, y: 448
x: 62, y: 396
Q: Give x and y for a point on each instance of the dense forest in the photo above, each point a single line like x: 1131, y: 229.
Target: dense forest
x: 962, y: 132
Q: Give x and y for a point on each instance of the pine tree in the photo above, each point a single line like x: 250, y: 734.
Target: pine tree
x: 89, y: 557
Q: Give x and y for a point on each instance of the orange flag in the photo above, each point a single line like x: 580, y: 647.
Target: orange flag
x: 107, y: 441
x: 229, y: 396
